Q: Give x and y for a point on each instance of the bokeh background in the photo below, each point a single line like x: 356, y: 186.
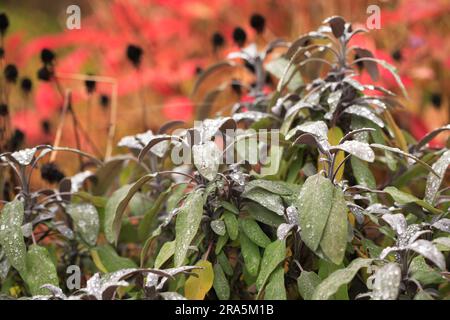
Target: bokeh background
x: 176, y: 40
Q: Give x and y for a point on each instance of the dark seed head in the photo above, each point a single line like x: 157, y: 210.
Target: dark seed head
x: 11, y: 73
x: 16, y: 140
x: 2, y: 53
x: 239, y: 36
x: 47, y: 56
x: 46, y: 126
x: 258, y: 22
x: 104, y: 101
x: 217, y: 40
x: 51, y: 173
x: 44, y: 74
x: 436, y: 100
x: 4, y: 23
x: 397, y: 55
x: 26, y: 85
x: 198, y: 70
x: 3, y: 110
x: 90, y: 86
x: 134, y: 54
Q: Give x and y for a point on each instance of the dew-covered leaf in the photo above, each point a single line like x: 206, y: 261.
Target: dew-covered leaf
x: 276, y: 289
x: 335, y: 234
x: 231, y: 224
x: 264, y: 215
x: 307, y: 284
x: 433, y: 181
x: 218, y: 226
x: 86, y: 221
x: 24, y: 156
x: 422, y: 272
x: 428, y: 250
x: 387, y: 282
x: 283, y: 69
x: 396, y: 221
x: 199, y: 284
x: 165, y: 253
x: 284, y: 229
x: 364, y: 112
x: 254, y: 232
x: 266, y: 199
x: 317, y: 128
x: 334, y: 281
x: 315, y: 202
x: 207, y: 158
x: 277, y: 187
x: 250, y: 253
x: 220, y: 284
x: 442, y: 224
x: 274, y: 254
x: 364, y: 176
x: 187, y: 224
x: 40, y: 270
x: 11, y: 236
x: 356, y: 148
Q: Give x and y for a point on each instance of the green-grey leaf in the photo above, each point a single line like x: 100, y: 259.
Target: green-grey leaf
x: 254, y: 232
x: 167, y: 250
x: 334, y: 239
x: 11, y: 236
x: 403, y: 198
x: 423, y: 273
x: 225, y: 264
x: 116, y: 205
x: 264, y: 215
x: 40, y: 270
x: 277, y: 187
x: 275, y: 289
x: 218, y: 226
x: 231, y: 224
x: 266, y: 199
x: 187, y: 224
x: 358, y: 149
x: 434, y: 182
x: 250, y: 253
x: 307, y: 283
x: 110, y: 260
x: 330, y: 285
x: 207, y: 158
x: 364, y: 176
x: 282, y: 69
x: 86, y: 221
x: 274, y: 254
x: 387, y: 282
x: 220, y: 284
x: 315, y: 202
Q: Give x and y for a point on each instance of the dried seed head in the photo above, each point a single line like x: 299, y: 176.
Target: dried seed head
x: 26, y: 84
x: 217, y: 40
x: 436, y: 100
x: 239, y: 36
x: 51, y: 173
x: 47, y: 56
x: 3, y: 110
x: 44, y: 74
x: 90, y: 86
x: 4, y: 23
x: 46, y: 126
x: 16, y: 140
x: 104, y: 101
x: 397, y: 55
x: 11, y: 73
x: 134, y: 54
x: 258, y: 22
